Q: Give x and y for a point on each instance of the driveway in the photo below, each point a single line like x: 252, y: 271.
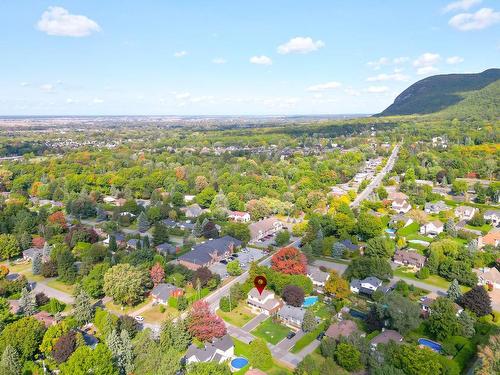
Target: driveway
x: 254, y: 322
x: 287, y: 344
x: 338, y: 267
x: 41, y: 287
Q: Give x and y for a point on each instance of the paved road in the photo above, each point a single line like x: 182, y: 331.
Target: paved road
x: 339, y: 267
x: 53, y: 293
x: 255, y: 322
x: 375, y: 182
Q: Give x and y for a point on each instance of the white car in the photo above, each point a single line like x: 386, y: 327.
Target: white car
x: 139, y: 318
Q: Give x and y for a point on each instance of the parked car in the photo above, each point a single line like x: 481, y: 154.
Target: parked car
x: 223, y: 261
x: 320, y: 336
x: 290, y: 335
x: 139, y: 318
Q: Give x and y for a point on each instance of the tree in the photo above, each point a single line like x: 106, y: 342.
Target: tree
x: 379, y: 247
x: 466, y: 322
x: 66, y: 266
x: 142, y: 222
x: 93, y: 282
x: 337, y: 286
x: 208, y: 368
x: 490, y: 357
x: 174, y: 335
x: 369, y: 226
x: 203, y: 324
x: 202, y: 276
x: 113, y: 246
x: 205, y: 197
x: 36, y: 264
x: 459, y: 187
x: 233, y: 268
x: 52, y: 335
x: 282, y: 238
x: 413, y: 360
x: 309, y: 322
x: 85, y: 360
x: 454, y: 293
x: 477, y: 220
x: 477, y: 300
x: 443, y: 321
x: 239, y: 231
x: 157, y: 274
x: 293, y: 295
x: 8, y: 246
x: 121, y: 350
x: 450, y: 228
x: 160, y: 234
x: 83, y: 308
x: 27, y: 303
x: 347, y: 356
x: 363, y: 267
x: 403, y: 313
x: 259, y: 355
x: 25, y: 335
x: 150, y: 358
x: 125, y: 284
x: 289, y: 260
x: 338, y: 250
x: 64, y: 347
x: 129, y: 324
x: 10, y: 364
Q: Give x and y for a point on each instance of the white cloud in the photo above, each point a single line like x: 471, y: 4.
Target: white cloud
x: 461, y: 5
x: 58, y: 21
x: 426, y: 59
x: 426, y: 70
x: 219, y: 60
x: 47, y: 87
x: 324, y: 86
x: 377, y: 64
x: 24, y: 84
x: 180, y: 54
x: 400, y: 60
x: 377, y: 89
x: 389, y: 77
x: 71, y: 101
x: 482, y: 19
x: 300, y: 45
x: 261, y: 60
x: 454, y: 60
x: 352, y: 92
x: 182, y: 95
x: 98, y: 101
x: 200, y: 99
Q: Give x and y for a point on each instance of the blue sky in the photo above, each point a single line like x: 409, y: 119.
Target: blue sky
x: 233, y: 57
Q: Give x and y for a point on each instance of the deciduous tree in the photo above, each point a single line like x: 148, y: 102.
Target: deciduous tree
x: 289, y: 260
x: 203, y: 324
x: 477, y: 300
x: 157, y: 274
x: 293, y: 295
x: 259, y: 355
x: 337, y: 286
x: 125, y: 284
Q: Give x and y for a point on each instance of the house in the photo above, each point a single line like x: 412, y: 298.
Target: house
x: 264, y: 227
x: 218, y: 351
x: 432, y: 229
x: 365, y: 286
x: 489, y: 277
x: 401, y: 206
x: 292, y: 316
x: 439, y: 142
x: 409, y: 258
x: 385, y: 337
x: 239, y: 216
x: 166, y: 249
x: 31, y: 253
x: 492, y: 239
x: 349, y: 245
x: 317, y: 276
x: 163, y: 291
x: 400, y: 218
x: 169, y: 223
x: 493, y: 217
x: 436, y: 208
x: 209, y: 252
x: 465, y: 212
x: 133, y: 243
x: 396, y: 195
x: 426, y: 302
x: 193, y: 210
x: 266, y: 303
x: 119, y: 237
x: 45, y: 318
x: 343, y: 328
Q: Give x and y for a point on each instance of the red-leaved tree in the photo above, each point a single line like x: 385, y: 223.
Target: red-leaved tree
x: 57, y: 218
x: 203, y: 324
x: 38, y: 242
x: 157, y: 274
x: 289, y: 260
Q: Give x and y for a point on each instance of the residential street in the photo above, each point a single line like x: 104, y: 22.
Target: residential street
x: 52, y: 293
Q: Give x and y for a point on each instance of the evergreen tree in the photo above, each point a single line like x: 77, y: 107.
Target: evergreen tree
x: 444, y: 181
x: 36, y: 264
x: 160, y: 234
x: 198, y: 228
x: 128, y: 352
x: 114, y: 344
x: 84, y: 310
x: 454, y: 292
x: 338, y: 250
x: 45, y: 251
x: 467, y: 322
x: 309, y: 323
x: 142, y: 222
x: 27, y: 303
x: 473, y: 247
x: 112, y: 244
x: 450, y: 228
x: 10, y: 365
x: 174, y: 335
x: 145, y: 242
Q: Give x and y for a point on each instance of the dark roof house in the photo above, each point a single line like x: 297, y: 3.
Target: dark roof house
x: 209, y: 252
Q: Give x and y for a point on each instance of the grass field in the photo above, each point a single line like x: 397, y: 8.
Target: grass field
x: 242, y: 349
x: 412, y: 228
x: 308, y: 338
x: 238, y: 317
x: 270, y: 331
x: 125, y: 309
x: 154, y: 315
x: 58, y: 285
x: 434, y: 280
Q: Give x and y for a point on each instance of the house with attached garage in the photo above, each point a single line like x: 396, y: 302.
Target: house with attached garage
x: 163, y: 291
x: 266, y: 303
x: 264, y: 227
x: 493, y: 217
x: 436, y: 208
x: 400, y: 219
x: 432, y: 229
x: 193, y: 210
x: 409, y: 258
x: 317, y: 277
x: 465, y: 212
x: 209, y: 252
x: 292, y: 316
x: 401, y: 206
x: 239, y: 216
x: 366, y: 286
x: 489, y: 277
x: 166, y: 249
x: 218, y: 351
x: 491, y: 239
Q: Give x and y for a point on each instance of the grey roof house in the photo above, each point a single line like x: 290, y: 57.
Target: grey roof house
x: 209, y: 252
x: 163, y: 291
x: 166, y: 249
x: 220, y: 350
x: 292, y: 316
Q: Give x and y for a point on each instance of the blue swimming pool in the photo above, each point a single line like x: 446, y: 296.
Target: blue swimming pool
x: 431, y: 344
x: 310, y: 301
x: 239, y: 362
x: 390, y: 231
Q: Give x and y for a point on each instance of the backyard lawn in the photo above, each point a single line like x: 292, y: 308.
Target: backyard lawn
x: 485, y: 228
x: 434, y: 280
x: 270, y: 331
x: 308, y: 338
x: 125, y: 309
x: 154, y: 315
x: 242, y: 349
x: 58, y: 285
x: 412, y: 228
x: 238, y: 317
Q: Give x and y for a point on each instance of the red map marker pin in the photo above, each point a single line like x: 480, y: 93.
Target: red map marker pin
x: 260, y: 283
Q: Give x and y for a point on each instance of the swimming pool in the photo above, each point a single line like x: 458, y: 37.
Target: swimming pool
x: 431, y: 344
x: 238, y: 363
x: 310, y: 301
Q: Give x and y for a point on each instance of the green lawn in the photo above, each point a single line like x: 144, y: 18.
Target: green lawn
x: 412, y: 228
x: 485, y: 228
x: 308, y: 338
x: 270, y: 331
x: 418, y: 236
x: 434, y: 280
x: 125, y: 309
x: 239, y: 316
x: 242, y: 349
x: 154, y: 315
x: 58, y: 285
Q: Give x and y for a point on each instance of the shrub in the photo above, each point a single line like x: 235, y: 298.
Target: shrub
x: 162, y: 309
x: 423, y: 274
x: 41, y: 299
x: 49, y: 269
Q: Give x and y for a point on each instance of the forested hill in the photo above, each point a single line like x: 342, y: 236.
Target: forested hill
x: 451, y: 94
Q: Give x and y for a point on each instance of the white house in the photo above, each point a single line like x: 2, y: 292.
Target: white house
x: 317, y: 276
x: 489, y: 277
x: 241, y: 217
x: 264, y: 227
x: 265, y: 303
x: 220, y: 350
x: 366, y: 286
x: 401, y: 206
x: 493, y: 217
x: 465, y: 212
x: 292, y: 316
x: 432, y: 229
x: 436, y: 208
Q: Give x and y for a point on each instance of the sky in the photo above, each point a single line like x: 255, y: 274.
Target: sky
x: 215, y: 57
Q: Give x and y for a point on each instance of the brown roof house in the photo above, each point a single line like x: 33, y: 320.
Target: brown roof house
x: 426, y: 302
x: 492, y: 238
x: 489, y: 277
x: 401, y: 206
x: 264, y: 227
x: 409, y: 258
x: 343, y: 328
x: 386, y: 336
x: 266, y: 302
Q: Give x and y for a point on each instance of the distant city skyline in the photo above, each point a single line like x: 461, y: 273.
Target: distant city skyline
x: 234, y: 58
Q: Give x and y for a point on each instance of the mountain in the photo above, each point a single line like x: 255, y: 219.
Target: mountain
x: 451, y: 95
